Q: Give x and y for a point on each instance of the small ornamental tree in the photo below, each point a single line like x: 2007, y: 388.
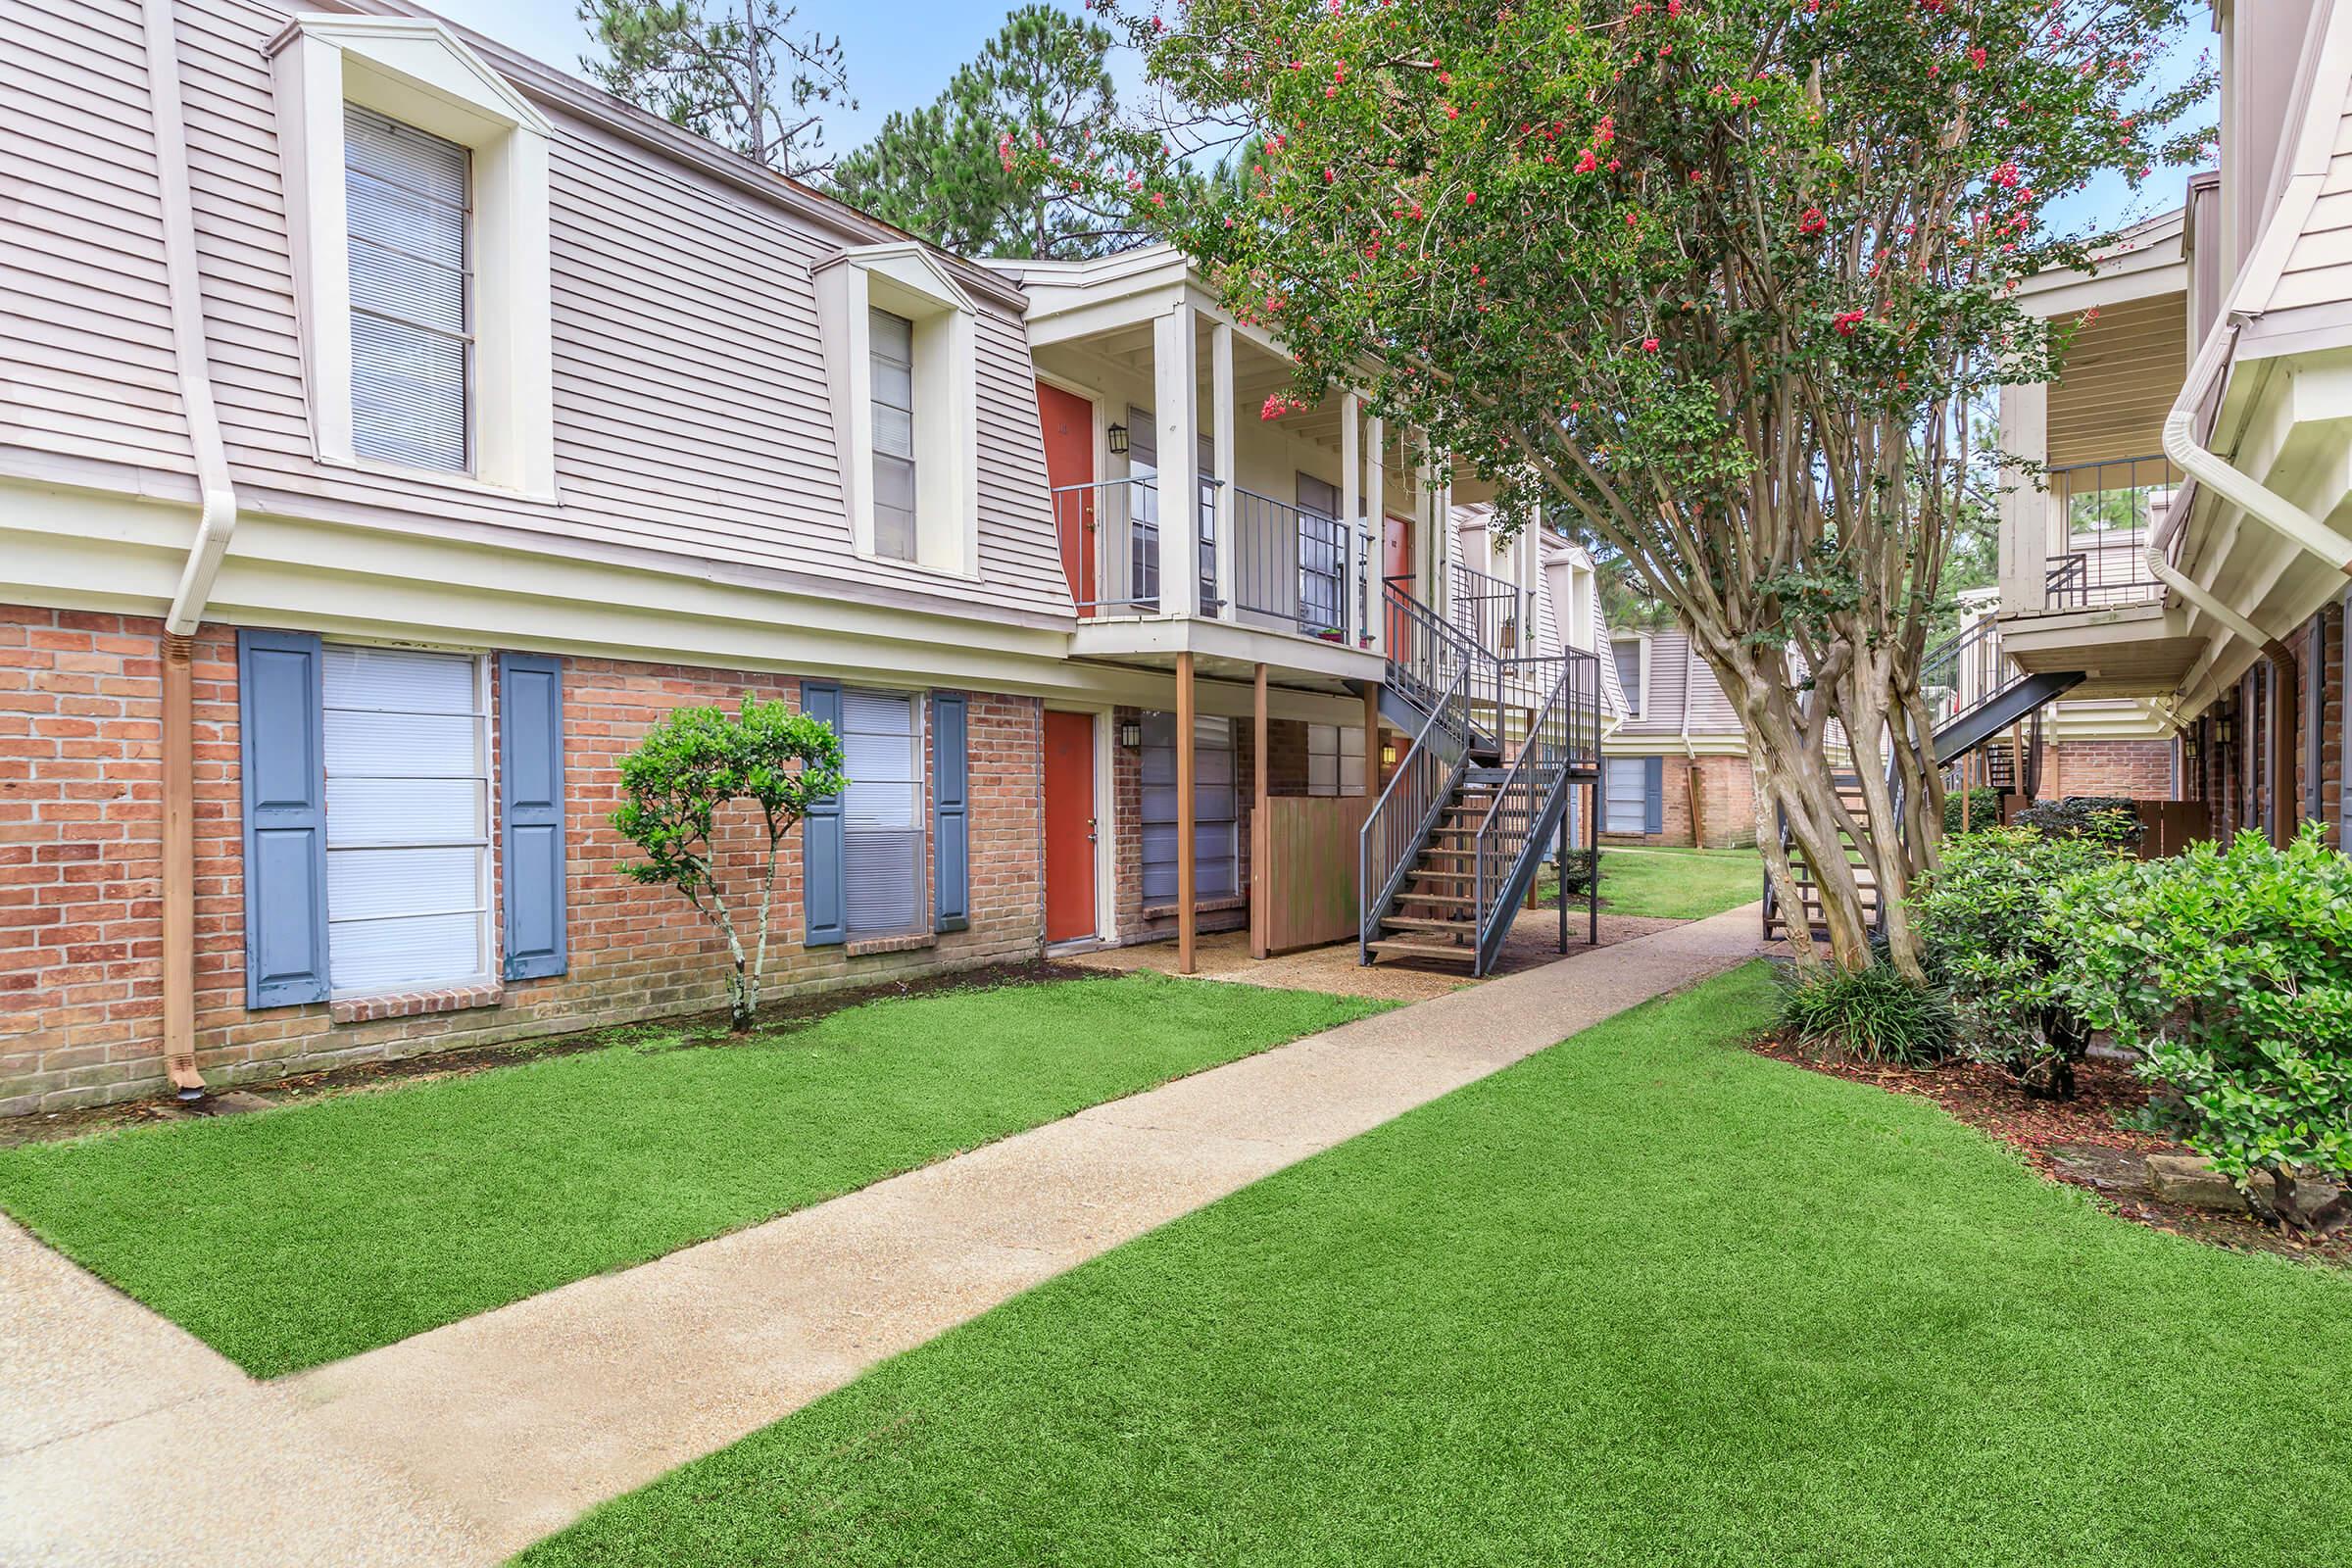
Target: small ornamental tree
x: 1716, y: 282
x: 690, y: 767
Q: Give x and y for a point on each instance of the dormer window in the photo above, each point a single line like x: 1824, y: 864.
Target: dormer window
x: 902, y: 357
x: 1630, y: 660
x: 408, y: 195
x: 415, y: 183
x: 893, y: 359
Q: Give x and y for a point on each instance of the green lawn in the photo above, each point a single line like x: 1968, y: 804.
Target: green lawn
x: 1679, y: 884
x: 296, y: 1235
x: 1643, y: 1298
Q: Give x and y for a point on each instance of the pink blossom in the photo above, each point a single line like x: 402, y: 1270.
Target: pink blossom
x: 1649, y: 345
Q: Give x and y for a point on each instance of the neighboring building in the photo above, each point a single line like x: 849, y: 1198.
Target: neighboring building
x: 403, y: 427
x: 2178, y: 579
x: 1676, y: 769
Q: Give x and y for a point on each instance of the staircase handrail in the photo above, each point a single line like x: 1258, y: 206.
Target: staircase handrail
x: 1523, y: 800
x: 1424, y: 779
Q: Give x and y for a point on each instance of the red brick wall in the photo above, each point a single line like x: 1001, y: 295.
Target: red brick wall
x: 80, y: 855
x: 2141, y: 770
x: 1727, y: 798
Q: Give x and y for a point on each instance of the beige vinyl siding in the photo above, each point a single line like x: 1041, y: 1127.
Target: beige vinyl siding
x: 85, y: 327
x: 690, y: 413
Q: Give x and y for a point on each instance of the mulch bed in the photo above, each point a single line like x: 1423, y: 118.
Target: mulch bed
x: 709, y: 1029
x: 2084, y: 1142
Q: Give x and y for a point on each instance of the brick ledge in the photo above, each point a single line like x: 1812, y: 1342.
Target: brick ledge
x: 906, y: 944
x: 415, y: 1003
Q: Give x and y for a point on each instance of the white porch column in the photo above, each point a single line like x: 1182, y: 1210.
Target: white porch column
x: 1176, y: 397
x: 1228, y: 509
x: 2025, y: 541
x: 1376, y: 519
x: 1351, y: 498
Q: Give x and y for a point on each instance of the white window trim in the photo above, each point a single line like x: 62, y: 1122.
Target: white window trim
x: 485, y: 854
x: 416, y: 72
x: 905, y: 280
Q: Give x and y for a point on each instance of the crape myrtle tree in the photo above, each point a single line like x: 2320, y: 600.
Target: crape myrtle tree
x: 1716, y: 282
x: 691, y: 767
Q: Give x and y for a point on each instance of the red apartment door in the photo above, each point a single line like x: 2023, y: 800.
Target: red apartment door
x: 1069, y: 825
x: 1397, y: 561
x: 1069, y: 426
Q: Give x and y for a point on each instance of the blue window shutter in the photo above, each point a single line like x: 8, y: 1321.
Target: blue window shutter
x: 1653, y: 795
x: 822, y: 895
x: 950, y: 813
x: 282, y: 721
x: 530, y: 813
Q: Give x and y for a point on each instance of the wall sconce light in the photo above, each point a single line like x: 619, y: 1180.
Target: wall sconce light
x: 2224, y: 730
x: 1387, y: 754
x: 1131, y: 734
x: 1118, y: 440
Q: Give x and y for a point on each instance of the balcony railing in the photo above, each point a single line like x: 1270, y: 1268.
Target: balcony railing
x: 2103, y: 516
x: 1488, y: 609
x: 1291, y: 569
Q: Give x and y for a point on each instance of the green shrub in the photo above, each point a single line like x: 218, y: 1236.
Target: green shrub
x: 2109, y: 818
x: 1983, y: 809
x: 1871, y: 1015
x: 2232, y: 971
x: 1983, y: 917
x: 1576, y: 868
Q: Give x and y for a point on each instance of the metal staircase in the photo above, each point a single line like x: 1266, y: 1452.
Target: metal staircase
x: 1453, y: 846
x: 1976, y: 695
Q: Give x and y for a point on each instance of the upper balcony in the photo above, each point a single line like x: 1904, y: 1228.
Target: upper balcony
x: 1199, y: 510
x: 2078, y: 591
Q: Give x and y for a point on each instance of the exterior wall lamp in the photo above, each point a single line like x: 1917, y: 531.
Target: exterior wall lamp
x: 1118, y: 435
x: 1131, y: 732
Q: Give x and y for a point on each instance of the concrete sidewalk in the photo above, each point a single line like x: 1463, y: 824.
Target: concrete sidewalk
x: 468, y: 1443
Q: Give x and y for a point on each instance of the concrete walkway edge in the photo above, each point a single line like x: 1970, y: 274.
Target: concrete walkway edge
x: 124, y: 1440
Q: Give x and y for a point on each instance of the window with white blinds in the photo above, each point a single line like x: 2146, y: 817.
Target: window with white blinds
x: 1216, y: 810
x: 1624, y: 795
x: 893, y: 351
x: 1629, y: 674
x: 1335, y: 760
x: 882, y: 813
x: 408, y: 819
x: 412, y: 331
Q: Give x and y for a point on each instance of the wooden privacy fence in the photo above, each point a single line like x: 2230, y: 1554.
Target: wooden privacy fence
x: 1304, y: 862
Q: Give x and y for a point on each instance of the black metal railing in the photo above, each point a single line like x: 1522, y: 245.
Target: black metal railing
x: 2106, y: 513
x: 1425, y: 780
x: 1290, y: 567
x: 1550, y: 743
x: 1488, y: 609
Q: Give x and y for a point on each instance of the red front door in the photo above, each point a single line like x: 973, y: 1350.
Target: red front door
x: 1397, y: 561
x: 1069, y: 426
x: 1069, y: 825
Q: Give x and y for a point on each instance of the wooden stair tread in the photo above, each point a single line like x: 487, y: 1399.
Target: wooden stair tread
x: 1453, y: 952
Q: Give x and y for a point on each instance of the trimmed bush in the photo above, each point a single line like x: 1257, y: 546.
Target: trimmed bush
x: 1576, y: 870
x: 1984, y: 918
x: 2232, y: 971
x: 1871, y: 1015
x: 1983, y: 809
x: 2109, y: 818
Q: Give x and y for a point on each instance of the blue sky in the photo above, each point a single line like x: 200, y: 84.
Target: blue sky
x: 900, y: 53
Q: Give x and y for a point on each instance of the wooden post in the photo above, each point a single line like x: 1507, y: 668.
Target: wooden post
x: 1261, y: 837
x: 1221, y: 457
x: 1187, y: 823
x: 1699, y: 821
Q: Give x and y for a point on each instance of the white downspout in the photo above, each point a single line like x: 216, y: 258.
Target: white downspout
x: 215, y: 521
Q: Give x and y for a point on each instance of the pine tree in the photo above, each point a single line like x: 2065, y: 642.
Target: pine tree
x: 742, y: 78
x: 945, y: 172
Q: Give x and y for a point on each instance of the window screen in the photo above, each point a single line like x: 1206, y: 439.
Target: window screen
x: 1335, y: 760
x: 412, y: 344
x: 882, y: 813
x: 1216, y: 869
x: 893, y: 340
x: 407, y: 813
x: 1625, y: 795
x: 1629, y: 675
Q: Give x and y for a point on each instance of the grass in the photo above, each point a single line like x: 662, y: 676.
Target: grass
x: 296, y: 1235
x: 1672, y: 884
x: 1645, y: 1297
